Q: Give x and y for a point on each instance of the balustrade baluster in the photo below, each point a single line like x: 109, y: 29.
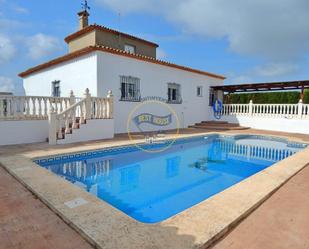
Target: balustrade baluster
x: 82, y: 113
x: 40, y: 107
x: 22, y: 107
x: 67, y: 123
x: 99, y: 106
x: 8, y: 107
x: 60, y: 105
x: 56, y: 105
x: 34, y: 106
x: 74, y: 124
x: 60, y: 128
x: 27, y: 107
x: 45, y: 108
x: 66, y: 104
x: 103, y: 108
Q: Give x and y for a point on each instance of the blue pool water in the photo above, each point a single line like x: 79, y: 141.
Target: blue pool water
x: 151, y: 187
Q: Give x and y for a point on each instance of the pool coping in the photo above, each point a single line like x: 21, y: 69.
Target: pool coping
x: 197, y: 227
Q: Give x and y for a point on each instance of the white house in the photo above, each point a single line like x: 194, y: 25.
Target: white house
x: 99, y: 88
x: 103, y: 59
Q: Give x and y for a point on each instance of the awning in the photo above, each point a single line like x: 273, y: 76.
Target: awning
x: 260, y: 87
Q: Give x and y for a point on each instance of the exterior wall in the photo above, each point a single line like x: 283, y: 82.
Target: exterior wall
x: 271, y: 124
x: 112, y: 40
x: 95, y: 129
x: 82, y: 42
x: 76, y: 75
x: 153, y: 82
x: 35, y: 131
x: 21, y: 132
x: 101, y: 71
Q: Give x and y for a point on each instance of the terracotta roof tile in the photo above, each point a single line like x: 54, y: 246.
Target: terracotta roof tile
x: 105, y: 29
x: 90, y: 49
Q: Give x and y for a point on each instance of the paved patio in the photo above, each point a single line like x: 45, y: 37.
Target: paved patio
x: 27, y: 223
x: 282, y: 222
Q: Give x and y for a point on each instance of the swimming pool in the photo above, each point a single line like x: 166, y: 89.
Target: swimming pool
x: 151, y: 187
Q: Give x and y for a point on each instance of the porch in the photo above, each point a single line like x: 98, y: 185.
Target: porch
x: 282, y: 117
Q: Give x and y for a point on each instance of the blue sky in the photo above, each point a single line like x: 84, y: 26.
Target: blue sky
x: 247, y: 41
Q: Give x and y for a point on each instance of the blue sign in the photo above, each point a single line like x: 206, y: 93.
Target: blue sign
x: 153, y: 119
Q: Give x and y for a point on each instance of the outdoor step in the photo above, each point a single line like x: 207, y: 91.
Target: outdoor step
x: 221, y: 128
x: 214, y: 122
x: 78, y: 124
x: 215, y: 125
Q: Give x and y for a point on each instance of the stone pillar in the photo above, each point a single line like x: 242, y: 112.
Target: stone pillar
x: 72, y: 98
x: 87, y: 104
x: 52, y: 120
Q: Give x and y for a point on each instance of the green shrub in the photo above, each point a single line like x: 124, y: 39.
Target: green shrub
x: 291, y: 97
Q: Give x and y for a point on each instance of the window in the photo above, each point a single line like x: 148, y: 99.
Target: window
x: 56, y: 88
x: 199, y: 91
x: 129, y: 48
x: 173, y: 93
x: 130, y: 88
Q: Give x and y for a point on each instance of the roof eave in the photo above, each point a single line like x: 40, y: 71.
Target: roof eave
x: 91, y: 28
x: 117, y: 52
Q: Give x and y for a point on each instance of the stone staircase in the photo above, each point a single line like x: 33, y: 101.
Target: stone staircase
x: 218, y: 126
x: 82, y: 121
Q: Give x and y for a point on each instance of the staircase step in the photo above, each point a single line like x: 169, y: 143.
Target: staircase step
x: 214, y: 122
x: 219, y: 128
x: 78, y: 124
x: 215, y: 125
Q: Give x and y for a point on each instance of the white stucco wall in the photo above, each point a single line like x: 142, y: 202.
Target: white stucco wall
x: 101, y: 71
x: 76, y: 75
x: 22, y: 132
x: 271, y: 124
x: 95, y: 129
x: 153, y: 82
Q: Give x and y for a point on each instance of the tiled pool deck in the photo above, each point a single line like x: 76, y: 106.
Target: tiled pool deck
x: 105, y: 227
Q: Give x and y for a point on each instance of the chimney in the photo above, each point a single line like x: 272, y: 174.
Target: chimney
x: 83, y: 19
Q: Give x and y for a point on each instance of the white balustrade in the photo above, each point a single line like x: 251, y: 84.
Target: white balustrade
x: 77, y: 114
x: 291, y: 111
x: 30, y: 107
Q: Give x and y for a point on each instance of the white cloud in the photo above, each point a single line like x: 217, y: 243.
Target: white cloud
x: 275, y: 30
x: 131, y: 6
x: 41, y: 45
x: 6, y: 84
x: 276, y: 69
x: 9, y: 24
x: 21, y: 10
x: 265, y: 72
x: 7, y: 49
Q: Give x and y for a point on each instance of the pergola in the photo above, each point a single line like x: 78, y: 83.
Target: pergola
x: 264, y: 87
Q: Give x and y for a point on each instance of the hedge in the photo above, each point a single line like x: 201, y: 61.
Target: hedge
x: 267, y: 98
